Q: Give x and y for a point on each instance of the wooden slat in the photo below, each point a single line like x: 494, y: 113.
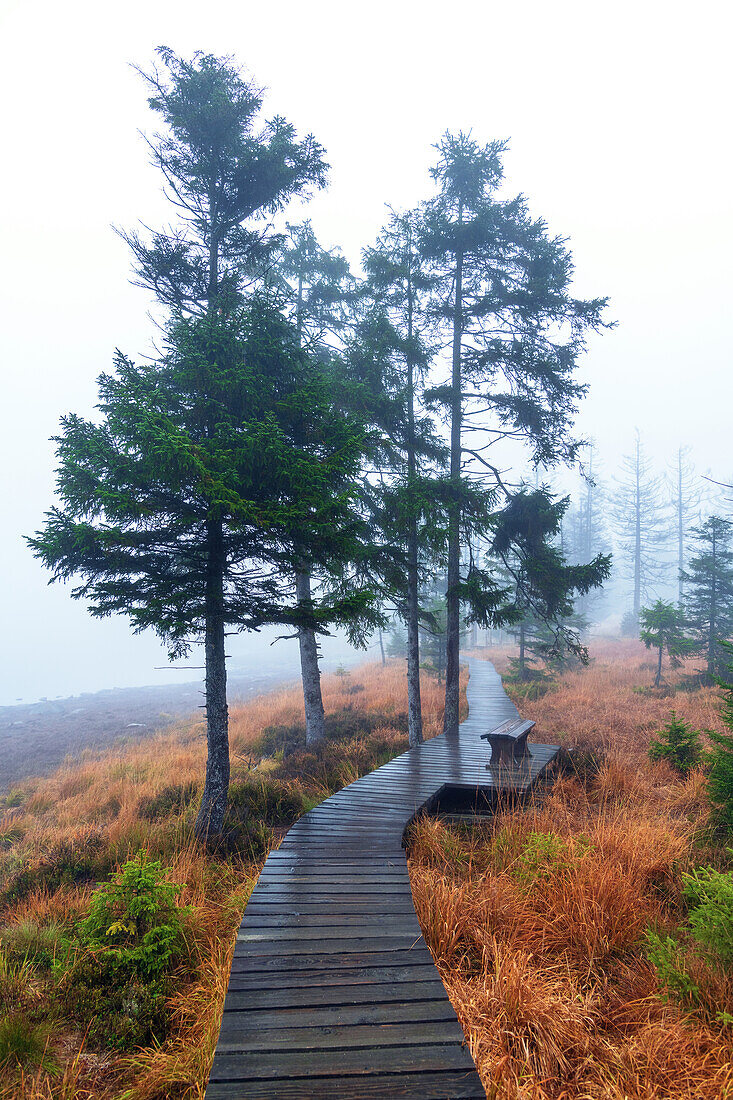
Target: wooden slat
x: 333, y: 992
x: 406, y: 1086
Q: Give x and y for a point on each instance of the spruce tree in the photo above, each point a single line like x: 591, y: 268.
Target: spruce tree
x: 390, y: 355
x: 226, y: 172
x: 685, y: 497
x: 502, y: 298
x: 584, y: 533
x: 709, y: 592
x: 186, y: 505
x: 663, y: 627
x: 679, y: 744
x: 541, y: 585
x: 187, y: 422
x: 641, y: 524
x: 720, y: 782
x: 208, y: 476
x: 319, y: 283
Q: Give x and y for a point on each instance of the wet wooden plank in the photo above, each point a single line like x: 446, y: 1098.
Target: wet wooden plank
x: 405, y: 1086
x: 244, y: 1040
x: 282, y: 1064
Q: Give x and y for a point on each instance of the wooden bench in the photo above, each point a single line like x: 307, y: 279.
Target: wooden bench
x: 508, y: 741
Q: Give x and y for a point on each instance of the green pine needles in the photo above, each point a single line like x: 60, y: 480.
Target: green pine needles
x: 720, y: 780
x: 679, y: 744
x: 134, y: 924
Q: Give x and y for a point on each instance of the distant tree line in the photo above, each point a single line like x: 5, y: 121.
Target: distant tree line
x: 315, y: 448
x: 671, y: 537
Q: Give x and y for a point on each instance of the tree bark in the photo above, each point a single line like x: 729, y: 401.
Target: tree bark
x: 210, y: 817
x: 414, y: 701
x: 453, y: 608
x: 414, y: 705
x: 713, y: 609
x: 310, y: 671
x: 658, y: 678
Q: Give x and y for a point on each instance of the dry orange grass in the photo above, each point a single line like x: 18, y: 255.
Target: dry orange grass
x: 598, y: 705
x: 538, y: 940
x: 90, y: 808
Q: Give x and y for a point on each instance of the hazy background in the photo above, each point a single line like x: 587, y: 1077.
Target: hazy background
x: 619, y: 119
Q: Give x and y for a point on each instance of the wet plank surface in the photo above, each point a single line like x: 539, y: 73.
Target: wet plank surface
x: 333, y: 992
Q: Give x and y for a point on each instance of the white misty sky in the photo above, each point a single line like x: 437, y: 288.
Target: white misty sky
x: 619, y: 120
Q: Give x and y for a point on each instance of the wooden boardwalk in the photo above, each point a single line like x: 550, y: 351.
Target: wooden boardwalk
x: 333, y: 992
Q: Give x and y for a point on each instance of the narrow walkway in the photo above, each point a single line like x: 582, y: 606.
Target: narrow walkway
x: 333, y: 992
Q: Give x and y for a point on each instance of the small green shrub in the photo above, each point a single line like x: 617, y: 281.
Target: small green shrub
x: 130, y: 942
x: 710, y: 918
x: 543, y: 855
x: 15, y: 797
x: 169, y: 802
x: 134, y: 924
x: 667, y: 956
x: 679, y: 744
x: 529, y: 691
x: 120, y: 1014
x: 720, y: 781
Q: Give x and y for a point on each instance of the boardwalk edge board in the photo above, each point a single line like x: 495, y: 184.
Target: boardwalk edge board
x: 333, y: 992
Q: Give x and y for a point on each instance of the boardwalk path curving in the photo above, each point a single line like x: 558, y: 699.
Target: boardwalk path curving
x: 333, y: 992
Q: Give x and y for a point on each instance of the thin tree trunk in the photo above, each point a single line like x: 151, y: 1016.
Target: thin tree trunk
x: 309, y: 668
x: 658, y: 679
x: 522, y: 662
x: 381, y: 647
x: 713, y: 611
x: 637, y: 542
x: 414, y: 706
x: 414, y: 701
x: 210, y: 818
x: 216, y: 787
x: 453, y: 609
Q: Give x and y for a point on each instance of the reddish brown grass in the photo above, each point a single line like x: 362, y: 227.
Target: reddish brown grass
x: 543, y: 960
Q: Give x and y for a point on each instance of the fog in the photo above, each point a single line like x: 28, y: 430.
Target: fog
x: 619, y: 120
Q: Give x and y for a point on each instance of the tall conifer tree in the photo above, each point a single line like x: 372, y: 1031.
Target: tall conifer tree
x: 320, y: 284
x: 513, y: 329
x: 685, y: 497
x: 642, y: 526
x: 709, y: 592
x: 213, y: 472
x: 394, y: 337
